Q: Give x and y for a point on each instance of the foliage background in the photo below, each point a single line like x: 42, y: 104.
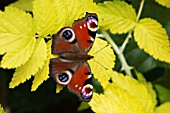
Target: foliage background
x: 43, y: 100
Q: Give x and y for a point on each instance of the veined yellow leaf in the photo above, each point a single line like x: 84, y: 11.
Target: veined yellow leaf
x: 117, y: 16
x: 32, y: 66
x: 89, y: 6
x: 76, y: 9
x: 102, y: 60
x: 1, y: 110
x: 164, y: 2
x: 16, y: 37
x: 42, y: 74
x: 151, y: 37
x: 163, y: 108
x: 23, y: 4
x: 149, y: 87
x: 115, y: 100
x: 73, y: 10
x: 59, y: 88
x: 48, y: 16
x: 136, y: 89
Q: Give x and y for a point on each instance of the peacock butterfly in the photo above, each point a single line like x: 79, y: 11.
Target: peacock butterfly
x: 72, y: 44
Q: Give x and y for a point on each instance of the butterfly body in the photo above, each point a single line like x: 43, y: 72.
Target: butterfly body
x: 72, y: 45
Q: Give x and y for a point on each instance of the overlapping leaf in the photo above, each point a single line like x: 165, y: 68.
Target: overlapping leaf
x: 115, y: 100
x: 102, y: 59
x: 163, y: 108
x: 151, y: 37
x: 16, y: 37
x: 136, y: 89
x: 164, y: 2
x: 117, y: 16
x: 124, y: 95
x: 43, y: 73
x: 48, y: 16
x: 149, y: 87
x: 32, y: 66
x: 23, y: 4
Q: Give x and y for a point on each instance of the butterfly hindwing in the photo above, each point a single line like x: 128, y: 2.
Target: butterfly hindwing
x: 77, y: 75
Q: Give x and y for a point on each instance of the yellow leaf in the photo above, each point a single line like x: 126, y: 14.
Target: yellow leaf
x: 32, y: 66
x: 42, y: 74
x: 115, y: 100
x: 163, y: 108
x: 136, y: 89
x: 164, y: 2
x: 23, y: 4
x: 117, y: 16
x: 75, y: 9
x: 151, y: 37
x: 1, y: 109
x: 16, y: 37
x: 102, y: 60
x: 149, y: 87
x: 59, y: 88
x: 48, y: 16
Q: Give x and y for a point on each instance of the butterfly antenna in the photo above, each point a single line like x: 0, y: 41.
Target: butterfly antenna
x: 100, y: 64
x: 100, y: 49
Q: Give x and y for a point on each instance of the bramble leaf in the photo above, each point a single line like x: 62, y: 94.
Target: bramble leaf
x: 123, y: 95
x: 43, y: 73
x: 1, y: 109
x: 32, y: 66
x: 151, y: 37
x: 163, y: 108
x: 16, y: 37
x: 115, y: 100
x: 48, y: 16
x: 164, y: 3
x: 23, y: 4
x: 59, y: 88
x: 149, y: 87
x: 102, y: 60
x: 136, y: 89
x: 77, y: 9
x: 117, y: 16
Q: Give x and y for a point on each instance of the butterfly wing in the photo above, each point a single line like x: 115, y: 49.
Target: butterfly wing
x: 85, y: 31
x: 77, y: 39
x: 77, y: 75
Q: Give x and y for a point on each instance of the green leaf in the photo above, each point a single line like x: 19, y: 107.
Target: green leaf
x: 117, y: 16
x: 83, y: 106
x: 48, y: 16
x: 102, y: 60
x: 151, y: 37
x: 163, y: 93
x: 1, y: 109
x: 32, y: 66
x: 23, y: 4
x: 115, y: 100
x: 16, y: 37
x: 164, y: 3
x: 136, y: 89
x: 163, y: 108
x: 43, y: 73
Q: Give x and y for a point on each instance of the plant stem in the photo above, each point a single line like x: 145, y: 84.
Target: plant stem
x: 140, y: 10
x: 119, y: 52
x: 126, y: 41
